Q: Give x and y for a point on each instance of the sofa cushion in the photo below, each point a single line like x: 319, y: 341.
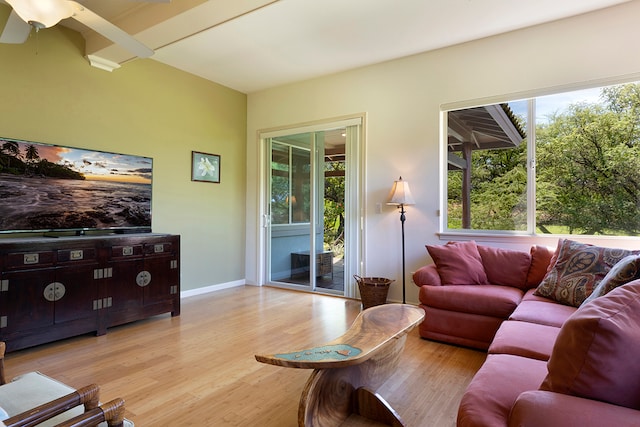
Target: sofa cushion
x: 596, y: 353
x: 530, y: 295
x: 496, y: 386
x: 488, y: 300
x: 454, y: 327
x: 538, y: 408
x: 458, y: 263
x: 524, y: 339
x: 625, y: 271
x: 577, y: 271
x: 505, y: 267
x: 541, y: 257
x: 542, y: 312
x: 427, y: 275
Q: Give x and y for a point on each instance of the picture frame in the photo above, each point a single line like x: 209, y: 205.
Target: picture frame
x: 205, y: 167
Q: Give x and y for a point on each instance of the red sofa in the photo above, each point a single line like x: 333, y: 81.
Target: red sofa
x: 549, y: 363
x: 467, y: 314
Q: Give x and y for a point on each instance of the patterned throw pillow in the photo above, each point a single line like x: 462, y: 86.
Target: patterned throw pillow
x: 580, y: 267
x: 625, y: 271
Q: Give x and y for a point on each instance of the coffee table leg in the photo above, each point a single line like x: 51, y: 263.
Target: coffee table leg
x: 371, y: 405
x: 331, y: 395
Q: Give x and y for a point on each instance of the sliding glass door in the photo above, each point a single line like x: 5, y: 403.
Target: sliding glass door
x: 310, y: 241
x: 290, y: 204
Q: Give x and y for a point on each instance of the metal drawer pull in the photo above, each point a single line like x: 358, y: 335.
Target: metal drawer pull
x: 31, y: 259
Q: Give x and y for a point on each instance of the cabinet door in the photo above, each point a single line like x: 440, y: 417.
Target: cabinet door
x: 122, y: 287
x: 22, y: 302
x: 80, y: 294
x: 160, y: 271
x: 161, y: 261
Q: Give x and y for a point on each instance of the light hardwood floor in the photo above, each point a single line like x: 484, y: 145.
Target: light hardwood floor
x: 199, y: 369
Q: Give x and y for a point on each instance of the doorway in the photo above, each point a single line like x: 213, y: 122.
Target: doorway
x: 311, y: 209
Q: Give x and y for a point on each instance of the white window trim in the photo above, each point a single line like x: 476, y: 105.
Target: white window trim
x: 445, y: 234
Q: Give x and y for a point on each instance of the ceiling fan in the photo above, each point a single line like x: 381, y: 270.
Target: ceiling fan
x: 38, y: 14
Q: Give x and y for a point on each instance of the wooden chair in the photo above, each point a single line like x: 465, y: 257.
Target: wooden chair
x: 56, y: 404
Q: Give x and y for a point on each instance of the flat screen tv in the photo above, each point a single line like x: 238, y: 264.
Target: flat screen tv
x: 53, y: 188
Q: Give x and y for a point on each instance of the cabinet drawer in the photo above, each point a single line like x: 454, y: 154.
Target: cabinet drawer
x: 158, y: 248
x: 125, y: 251
x: 21, y: 260
x: 78, y: 255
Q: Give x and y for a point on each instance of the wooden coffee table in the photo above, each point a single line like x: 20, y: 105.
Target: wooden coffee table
x: 347, y: 371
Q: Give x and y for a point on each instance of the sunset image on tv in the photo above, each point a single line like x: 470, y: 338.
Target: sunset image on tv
x: 50, y: 187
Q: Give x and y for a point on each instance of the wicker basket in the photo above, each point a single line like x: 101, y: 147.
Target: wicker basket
x: 373, y: 290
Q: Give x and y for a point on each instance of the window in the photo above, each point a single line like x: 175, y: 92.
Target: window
x: 290, y: 184
x: 576, y: 153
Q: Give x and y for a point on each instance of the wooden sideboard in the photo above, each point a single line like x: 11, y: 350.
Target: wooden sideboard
x: 55, y: 288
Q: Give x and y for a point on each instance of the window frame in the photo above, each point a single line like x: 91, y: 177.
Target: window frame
x: 530, y: 97
x: 290, y: 171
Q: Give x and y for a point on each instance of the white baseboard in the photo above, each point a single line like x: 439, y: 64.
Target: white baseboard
x: 212, y: 288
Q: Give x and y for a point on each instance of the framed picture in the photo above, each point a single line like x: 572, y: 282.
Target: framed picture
x: 205, y: 167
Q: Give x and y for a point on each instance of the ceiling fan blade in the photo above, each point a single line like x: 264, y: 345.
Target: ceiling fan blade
x: 108, y: 30
x: 16, y: 30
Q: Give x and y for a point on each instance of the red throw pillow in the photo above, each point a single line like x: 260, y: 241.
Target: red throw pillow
x: 458, y: 263
x: 541, y: 257
x: 596, y: 353
x: 504, y: 266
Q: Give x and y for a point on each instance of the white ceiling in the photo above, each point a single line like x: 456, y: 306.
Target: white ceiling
x: 251, y: 45
x: 293, y: 40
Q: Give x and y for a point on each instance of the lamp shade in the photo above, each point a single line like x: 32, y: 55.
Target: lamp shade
x: 42, y: 13
x: 400, y: 194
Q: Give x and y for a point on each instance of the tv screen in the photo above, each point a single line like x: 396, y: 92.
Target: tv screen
x: 46, y: 188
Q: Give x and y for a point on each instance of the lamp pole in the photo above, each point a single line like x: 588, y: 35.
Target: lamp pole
x: 400, y: 195
x: 402, y: 219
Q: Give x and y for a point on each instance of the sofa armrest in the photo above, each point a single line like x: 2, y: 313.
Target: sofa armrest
x: 427, y: 275
x: 544, y: 408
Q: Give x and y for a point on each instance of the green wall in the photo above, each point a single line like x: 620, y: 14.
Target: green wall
x: 49, y: 93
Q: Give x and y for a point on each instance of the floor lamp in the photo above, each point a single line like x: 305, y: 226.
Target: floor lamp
x: 400, y: 196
